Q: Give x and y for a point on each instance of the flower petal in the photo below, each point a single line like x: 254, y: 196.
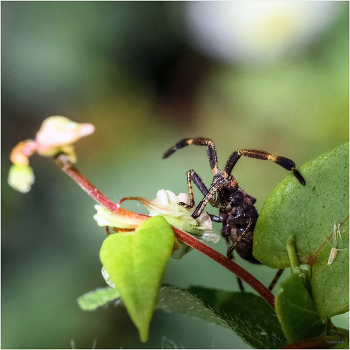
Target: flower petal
x: 121, y: 218
x: 167, y: 205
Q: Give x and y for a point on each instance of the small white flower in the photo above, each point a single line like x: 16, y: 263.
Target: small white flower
x: 167, y: 204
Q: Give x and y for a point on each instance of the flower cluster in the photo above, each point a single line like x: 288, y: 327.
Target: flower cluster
x: 167, y: 205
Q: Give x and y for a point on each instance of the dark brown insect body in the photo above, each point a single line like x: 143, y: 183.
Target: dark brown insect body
x: 238, y: 216
x: 236, y: 208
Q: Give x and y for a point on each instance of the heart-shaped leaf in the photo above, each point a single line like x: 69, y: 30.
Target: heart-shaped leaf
x: 309, y: 214
x: 135, y: 263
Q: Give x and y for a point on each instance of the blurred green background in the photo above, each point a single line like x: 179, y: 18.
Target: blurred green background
x: 147, y: 74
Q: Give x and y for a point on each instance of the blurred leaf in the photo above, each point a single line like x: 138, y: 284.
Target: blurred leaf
x: 309, y: 214
x: 246, y: 314
x: 344, y: 345
x: 296, y: 311
x: 135, y: 263
x: 96, y: 298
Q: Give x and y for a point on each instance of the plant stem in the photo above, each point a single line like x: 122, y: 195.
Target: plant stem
x: 228, y: 264
x: 66, y: 165
x: 63, y: 162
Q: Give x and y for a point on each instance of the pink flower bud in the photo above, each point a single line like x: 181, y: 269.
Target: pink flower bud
x: 58, y: 131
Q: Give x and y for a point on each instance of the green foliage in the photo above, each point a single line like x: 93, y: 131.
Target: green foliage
x: 330, y: 283
x: 343, y: 345
x: 135, y: 263
x: 296, y: 310
x: 99, y: 297
x: 246, y: 314
x: 298, y: 225
x: 311, y: 214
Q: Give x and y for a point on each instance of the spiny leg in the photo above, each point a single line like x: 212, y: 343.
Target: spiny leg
x: 257, y: 154
x: 199, y: 141
x: 239, y: 281
x: 216, y: 218
x: 193, y: 176
x: 233, y: 246
x: 209, y: 198
x: 240, y: 284
x: 276, y: 278
x: 209, y: 195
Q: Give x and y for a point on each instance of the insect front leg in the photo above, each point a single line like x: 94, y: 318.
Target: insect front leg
x: 209, y: 198
x: 193, y: 176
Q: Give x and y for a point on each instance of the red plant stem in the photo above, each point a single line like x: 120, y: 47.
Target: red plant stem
x: 63, y: 162
x: 227, y: 263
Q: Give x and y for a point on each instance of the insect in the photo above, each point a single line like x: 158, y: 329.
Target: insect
x: 237, y: 212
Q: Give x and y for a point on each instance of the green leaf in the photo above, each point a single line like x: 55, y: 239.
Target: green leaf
x: 309, y: 213
x: 342, y: 345
x: 296, y: 310
x: 246, y: 314
x: 135, y: 263
x: 330, y: 283
x: 99, y: 297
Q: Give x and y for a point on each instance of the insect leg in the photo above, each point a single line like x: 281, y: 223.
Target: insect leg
x: 215, y: 218
x: 193, y: 176
x: 208, y: 198
x: 233, y: 246
x: 275, y: 280
x: 231, y: 257
x: 239, y: 281
x: 240, y: 284
x: 257, y: 154
x: 199, y: 141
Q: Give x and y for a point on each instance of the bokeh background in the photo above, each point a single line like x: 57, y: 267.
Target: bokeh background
x: 267, y: 75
